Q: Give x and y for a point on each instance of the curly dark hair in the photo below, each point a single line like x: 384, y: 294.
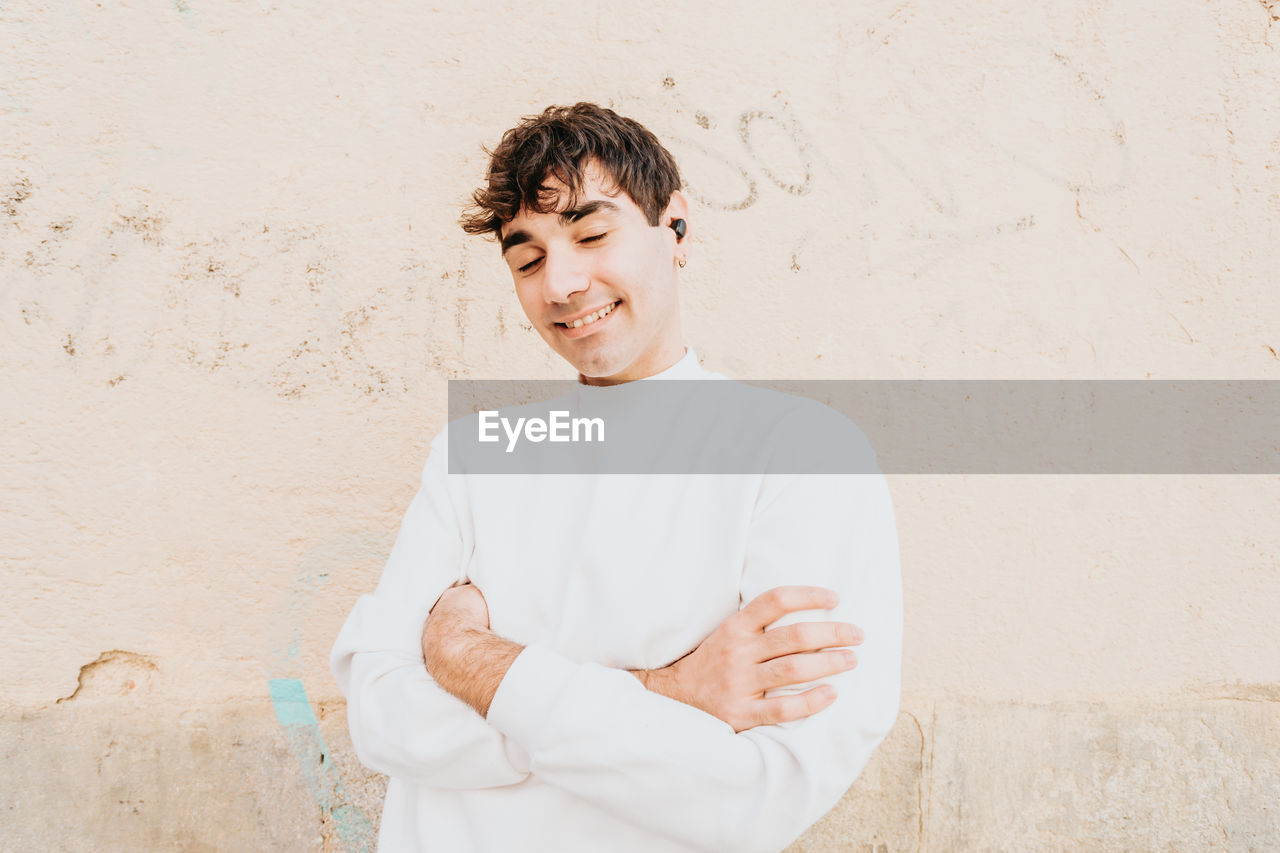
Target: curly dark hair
x: 559, y: 144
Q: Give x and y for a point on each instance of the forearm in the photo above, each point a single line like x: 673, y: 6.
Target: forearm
x: 405, y: 725
x: 469, y: 662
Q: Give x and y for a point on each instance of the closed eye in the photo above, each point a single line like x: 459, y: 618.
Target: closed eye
x: 529, y: 266
x: 593, y: 238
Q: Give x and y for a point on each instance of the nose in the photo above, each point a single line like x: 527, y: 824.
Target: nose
x: 563, y: 275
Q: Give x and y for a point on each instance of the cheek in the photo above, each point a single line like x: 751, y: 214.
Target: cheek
x: 633, y: 277
x: 529, y: 301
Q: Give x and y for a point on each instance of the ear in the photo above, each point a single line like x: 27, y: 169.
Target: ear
x: 677, y: 208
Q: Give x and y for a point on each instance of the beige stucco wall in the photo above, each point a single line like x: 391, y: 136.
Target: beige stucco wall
x: 232, y: 289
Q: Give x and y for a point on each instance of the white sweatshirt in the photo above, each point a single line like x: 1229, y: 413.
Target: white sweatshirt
x: 597, y: 575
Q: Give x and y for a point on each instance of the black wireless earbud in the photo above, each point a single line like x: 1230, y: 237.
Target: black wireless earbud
x: 678, y: 226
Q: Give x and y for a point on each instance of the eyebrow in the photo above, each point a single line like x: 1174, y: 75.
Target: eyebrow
x: 566, y: 217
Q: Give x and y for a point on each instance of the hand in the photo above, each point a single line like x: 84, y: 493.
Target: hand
x: 728, y: 673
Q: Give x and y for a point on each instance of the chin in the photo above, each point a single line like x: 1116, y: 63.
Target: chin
x: 598, y: 366
x: 595, y: 370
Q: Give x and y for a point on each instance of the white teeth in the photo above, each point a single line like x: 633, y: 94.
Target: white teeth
x: 592, y: 317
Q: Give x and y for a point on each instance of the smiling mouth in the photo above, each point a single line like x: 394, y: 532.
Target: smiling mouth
x: 590, y: 318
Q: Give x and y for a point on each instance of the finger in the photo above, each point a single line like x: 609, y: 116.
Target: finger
x: 797, y: 669
x: 768, y: 607
x: 785, y: 709
x: 808, y: 637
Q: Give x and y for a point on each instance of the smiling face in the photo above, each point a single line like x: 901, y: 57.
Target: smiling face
x: 598, y: 281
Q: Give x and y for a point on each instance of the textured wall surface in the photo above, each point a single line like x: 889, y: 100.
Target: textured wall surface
x: 232, y: 289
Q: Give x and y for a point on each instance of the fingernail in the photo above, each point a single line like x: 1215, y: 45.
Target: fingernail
x: 850, y: 659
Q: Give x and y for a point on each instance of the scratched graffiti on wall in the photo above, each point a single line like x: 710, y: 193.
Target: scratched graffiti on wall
x: 287, y: 304
x: 122, y: 289
x: 915, y: 148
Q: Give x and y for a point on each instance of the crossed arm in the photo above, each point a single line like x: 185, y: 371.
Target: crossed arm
x: 728, y: 675
x: 713, y: 776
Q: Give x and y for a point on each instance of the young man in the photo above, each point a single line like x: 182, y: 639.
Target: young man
x: 600, y: 668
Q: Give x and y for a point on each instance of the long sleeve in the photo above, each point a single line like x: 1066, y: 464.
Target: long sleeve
x: 597, y: 733
x: 402, y: 723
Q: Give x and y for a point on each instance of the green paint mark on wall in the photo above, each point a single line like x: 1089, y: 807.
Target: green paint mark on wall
x: 293, y: 710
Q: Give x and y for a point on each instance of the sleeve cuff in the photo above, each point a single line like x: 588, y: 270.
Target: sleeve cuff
x: 528, y: 693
